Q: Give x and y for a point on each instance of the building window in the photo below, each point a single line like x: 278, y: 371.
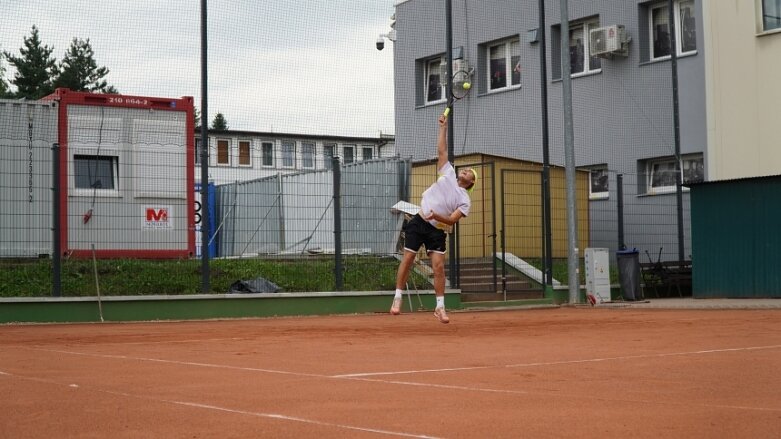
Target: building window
x: 367, y: 152
x: 434, y: 87
x: 288, y: 154
x: 685, y: 29
x: 328, y: 155
x: 223, y: 152
x: 349, y: 153
x: 662, y: 177
x: 598, y: 189
x: 95, y: 172
x: 198, y: 151
x: 268, y: 153
x: 693, y: 170
x: 504, y: 61
x: 580, y: 59
x: 771, y: 14
x: 308, y: 155
x: 244, y: 153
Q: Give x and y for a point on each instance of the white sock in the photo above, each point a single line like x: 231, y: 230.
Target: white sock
x: 398, y: 294
x: 440, y: 301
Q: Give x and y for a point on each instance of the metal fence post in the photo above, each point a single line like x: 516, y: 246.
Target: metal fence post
x: 57, y: 250
x: 337, y: 170
x: 620, y: 210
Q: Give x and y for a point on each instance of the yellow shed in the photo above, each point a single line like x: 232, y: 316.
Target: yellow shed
x: 507, y: 200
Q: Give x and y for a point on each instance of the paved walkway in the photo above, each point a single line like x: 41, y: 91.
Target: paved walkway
x: 690, y: 303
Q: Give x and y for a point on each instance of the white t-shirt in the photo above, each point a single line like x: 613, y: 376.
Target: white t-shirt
x: 445, y: 196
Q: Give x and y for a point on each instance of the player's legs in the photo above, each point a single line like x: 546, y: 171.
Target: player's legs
x: 438, y: 266
x: 407, y: 260
x: 401, y: 280
x: 413, y: 240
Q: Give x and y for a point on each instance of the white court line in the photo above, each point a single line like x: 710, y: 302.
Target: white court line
x: 363, y: 377
x: 184, y: 363
x: 194, y: 340
x: 297, y: 419
x: 554, y: 363
x: 229, y: 410
x: 566, y: 396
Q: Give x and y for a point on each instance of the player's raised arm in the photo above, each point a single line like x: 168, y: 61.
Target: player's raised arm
x: 442, y: 143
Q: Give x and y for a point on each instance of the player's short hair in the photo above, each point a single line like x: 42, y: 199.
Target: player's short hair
x: 474, y: 182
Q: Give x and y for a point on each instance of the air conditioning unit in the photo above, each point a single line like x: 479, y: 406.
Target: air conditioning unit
x: 607, y: 41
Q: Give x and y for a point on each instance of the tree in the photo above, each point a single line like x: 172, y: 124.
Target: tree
x: 34, y: 68
x: 219, y: 123
x: 3, y: 85
x: 78, y: 70
x: 197, y: 117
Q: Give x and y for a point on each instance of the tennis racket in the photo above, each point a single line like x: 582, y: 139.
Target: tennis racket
x: 461, y: 87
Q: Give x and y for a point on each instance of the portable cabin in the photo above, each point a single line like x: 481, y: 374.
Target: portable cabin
x: 126, y: 175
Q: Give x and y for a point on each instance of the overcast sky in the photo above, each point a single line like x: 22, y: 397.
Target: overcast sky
x: 303, y: 66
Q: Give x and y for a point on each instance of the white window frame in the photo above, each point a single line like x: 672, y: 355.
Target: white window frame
x: 217, y: 161
x: 600, y: 173
x: 197, y: 145
x: 308, y: 150
x: 669, y: 166
x: 329, y: 150
x: 433, y: 67
x: 351, y: 157
x: 762, y: 12
x: 270, y: 146
x: 249, y: 153
x: 678, y: 30
x: 364, y: 149
x: 288, y: 154
x: 584, y: 27
x: 113, y: 157
x: 511, y: 48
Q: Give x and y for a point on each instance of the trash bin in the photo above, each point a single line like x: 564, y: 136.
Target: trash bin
x: 629, y: 274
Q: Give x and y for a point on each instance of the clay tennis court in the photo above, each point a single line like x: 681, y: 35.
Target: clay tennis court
x: 546, y: 373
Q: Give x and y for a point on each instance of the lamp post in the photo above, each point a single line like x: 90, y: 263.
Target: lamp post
x: 569, y: 158
x: 204, y: 155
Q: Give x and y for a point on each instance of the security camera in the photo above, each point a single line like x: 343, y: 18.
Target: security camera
x: 380, y: 42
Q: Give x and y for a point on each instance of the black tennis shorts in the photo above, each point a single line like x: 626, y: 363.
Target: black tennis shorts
x: 419, y: 232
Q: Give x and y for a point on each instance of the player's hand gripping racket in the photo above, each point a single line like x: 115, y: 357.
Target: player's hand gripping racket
x: 461, y: 88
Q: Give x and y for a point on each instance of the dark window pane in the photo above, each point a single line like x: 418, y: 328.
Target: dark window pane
x: 93, y: 172
x: 516, y: 63
x: 661, y: 32
x: 688, y: 27
x: 268, y: 154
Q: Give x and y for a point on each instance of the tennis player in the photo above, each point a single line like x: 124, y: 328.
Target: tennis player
x: 443, y: 204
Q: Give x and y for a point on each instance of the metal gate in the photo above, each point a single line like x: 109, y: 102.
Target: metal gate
x: 476, y: 238
x: 521, y: 222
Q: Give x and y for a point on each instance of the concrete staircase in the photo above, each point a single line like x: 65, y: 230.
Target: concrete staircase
x: 477, y: 283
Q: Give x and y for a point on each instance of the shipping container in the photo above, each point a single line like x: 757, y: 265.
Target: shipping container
x: 126, y: 175
x: 28, y: 130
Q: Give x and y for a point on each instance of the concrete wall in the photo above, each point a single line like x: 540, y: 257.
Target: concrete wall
x: 743, y: 67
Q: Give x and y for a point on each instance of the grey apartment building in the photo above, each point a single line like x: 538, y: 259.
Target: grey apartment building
x: 622, y: 100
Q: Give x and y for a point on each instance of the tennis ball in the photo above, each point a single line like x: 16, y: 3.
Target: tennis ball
x: 467, y: 85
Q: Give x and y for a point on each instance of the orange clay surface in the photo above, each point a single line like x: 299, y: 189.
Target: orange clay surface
x: 546, y: 373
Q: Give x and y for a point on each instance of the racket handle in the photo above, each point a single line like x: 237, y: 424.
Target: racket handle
x: 447, y: 112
